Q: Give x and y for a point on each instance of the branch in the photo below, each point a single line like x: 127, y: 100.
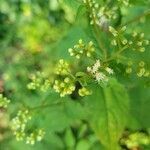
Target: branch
x: 137, y: 18
x: 45, y: 106
x: 116, y: 54
x: 100, y: 44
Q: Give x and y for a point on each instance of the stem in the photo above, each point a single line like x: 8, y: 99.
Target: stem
x: 99, y: 41
x: 116, y: 54
x: 71, y: 75
x: 45, y: 106
x: 127, y: 23
x: 137, y: 18
x: 100, y: 44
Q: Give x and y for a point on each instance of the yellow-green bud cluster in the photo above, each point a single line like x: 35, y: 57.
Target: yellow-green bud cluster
x: 4, y: 101
x: 62, y: 68
x: 19, y: 124
x: 124, y: 2
x: 100, y: 15
x: 82, y: 49
x: 93, y: 8
x: 35, y: 136
x: 135, y: 140
x: 129, y: 67
x: 107, y: 12
x: 45, y: 86
x: 19, y: 128
x: 99, y: 72
x: 39, y: 81
x: 119, y: 38
x: 140, y: 70
x: 140, y: 42
x: 84, y: 92
x: 64, y: 87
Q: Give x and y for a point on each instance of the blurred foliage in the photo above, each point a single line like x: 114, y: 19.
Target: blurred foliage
x: 34, y: 34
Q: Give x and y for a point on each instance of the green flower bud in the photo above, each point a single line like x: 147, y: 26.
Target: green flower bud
x: 139, y: 43
x: 142, y: 49
x: 113, y: 42
x: 84, y: 92
x: 39, y: 81
x: 124, y: 41
x: 130, y: 63
x: 4, y: 101
x: 146, y: 42
x: 146, y: 74
x: 62, y: 68
x: 141, y: 63
x: 64, y: 87
x: 82, y: 49
x: 19, y: 128
x: 128, y: 70
x: 123, y: 28
x: 113, y: 31
x: 141, y: 72
x: 134, y: 34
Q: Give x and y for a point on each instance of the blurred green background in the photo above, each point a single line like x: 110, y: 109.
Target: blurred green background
x: 33, y: 35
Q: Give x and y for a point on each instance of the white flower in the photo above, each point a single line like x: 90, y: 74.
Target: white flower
x: 96, y: 66
x: 103, y: 22
x: 97, y: 72
x: 99, y: 76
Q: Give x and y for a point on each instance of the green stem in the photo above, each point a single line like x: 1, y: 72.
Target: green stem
x: 71, y: 75
x: 45, y: 106
x: 137, y: 18
x: 99, y: 41
x: 116, y: 54
x: 100, y: 44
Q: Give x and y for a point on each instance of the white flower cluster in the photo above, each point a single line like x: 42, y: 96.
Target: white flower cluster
x: 98, y: 72
x: 19, y: 125
x: 105, y: 15
x: 4, y: 101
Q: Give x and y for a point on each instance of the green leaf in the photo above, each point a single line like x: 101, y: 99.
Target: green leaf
x: 83, y: 145
x: 108, y: 112
x: 73, y: 4
x: 72, y: 37
x: 80, y: 74
x: 69, y: 138
x: 140, y: 102
x: 59, y: 117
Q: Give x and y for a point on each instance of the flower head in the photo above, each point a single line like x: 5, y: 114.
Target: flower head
x: 4, y: 101
x: 84, y: 92
x: 64, y: 87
